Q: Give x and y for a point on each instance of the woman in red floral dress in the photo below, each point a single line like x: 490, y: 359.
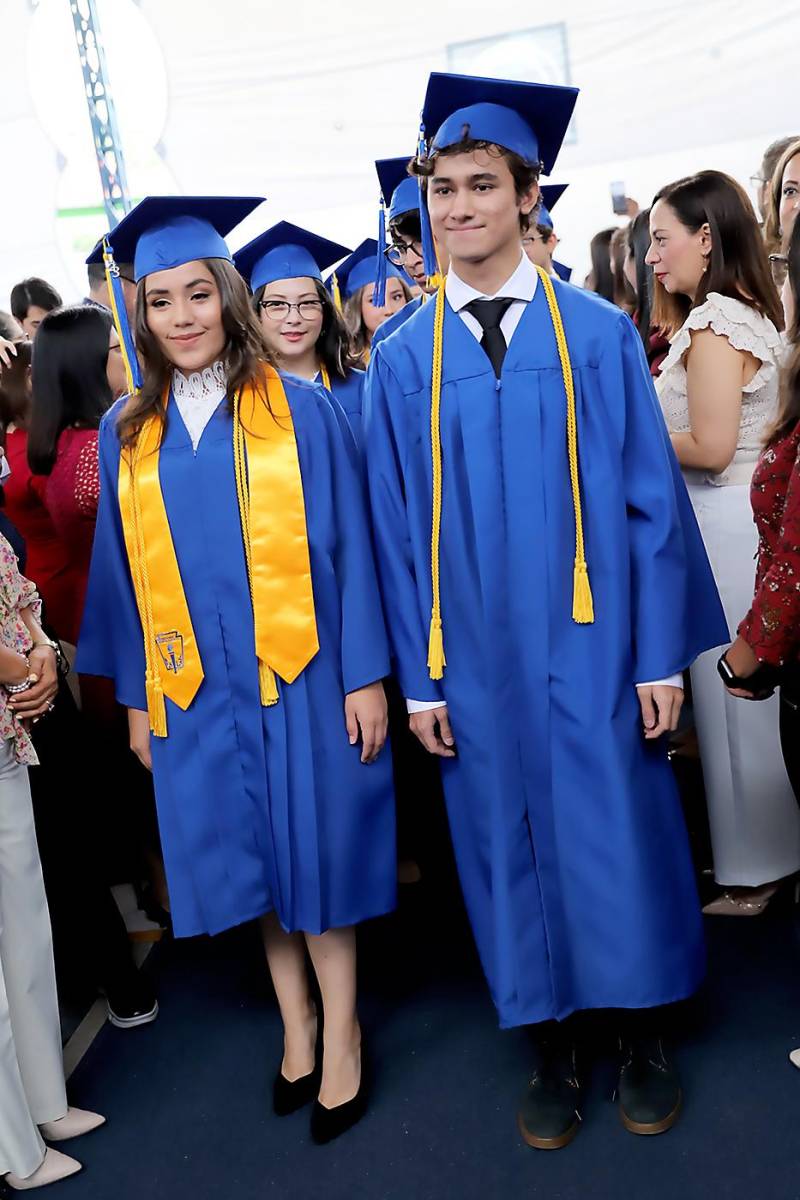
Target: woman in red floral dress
x: 770, y: 633
x: 77, y: 373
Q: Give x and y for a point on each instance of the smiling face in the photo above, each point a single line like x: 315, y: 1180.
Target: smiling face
x: 790, y: 197
x: 183, y: 310
x: 395, y: 299
x: 291, y: 333
x: 474, y: 207
x: 678, y: 256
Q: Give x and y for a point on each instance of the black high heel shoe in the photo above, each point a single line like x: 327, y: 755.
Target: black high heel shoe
x: 330, y: 1123
x: 290, y: 1095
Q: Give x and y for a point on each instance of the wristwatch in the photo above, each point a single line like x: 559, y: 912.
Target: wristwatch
x: 54, y: 646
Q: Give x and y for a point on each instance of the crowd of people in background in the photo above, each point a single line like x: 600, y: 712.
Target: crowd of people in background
x: 712, y: 287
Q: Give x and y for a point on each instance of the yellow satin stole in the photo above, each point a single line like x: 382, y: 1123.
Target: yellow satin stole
x: 272, y: 511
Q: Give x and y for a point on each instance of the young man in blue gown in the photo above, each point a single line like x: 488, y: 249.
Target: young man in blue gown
x: 545, y: 585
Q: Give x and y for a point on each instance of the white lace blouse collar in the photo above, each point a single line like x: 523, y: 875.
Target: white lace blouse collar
x: 198, y: 396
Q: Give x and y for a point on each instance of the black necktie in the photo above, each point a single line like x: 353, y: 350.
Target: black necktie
x: 490, y: 313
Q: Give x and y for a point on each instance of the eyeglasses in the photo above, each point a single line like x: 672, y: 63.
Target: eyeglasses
x: 779, y: 265
x: 398, y: 251
x: 278, y: 310
x: 530, y: 238
x: 757, y: 180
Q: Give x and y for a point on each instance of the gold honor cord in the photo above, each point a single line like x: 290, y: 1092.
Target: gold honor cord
x: 582, y: 602
x: 326, y: 379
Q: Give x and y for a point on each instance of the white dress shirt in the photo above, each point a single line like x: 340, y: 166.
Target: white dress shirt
x: 522, y: 287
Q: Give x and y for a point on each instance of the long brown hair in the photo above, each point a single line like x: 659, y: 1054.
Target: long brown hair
x: 354, y: 319
x: 789, y: 394
x: 773, y: 236
x: 245, y: 350
x: 624, y: 295
x: 737, y: 265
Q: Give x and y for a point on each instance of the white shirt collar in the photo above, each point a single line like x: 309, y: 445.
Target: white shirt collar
x: 521, y: 286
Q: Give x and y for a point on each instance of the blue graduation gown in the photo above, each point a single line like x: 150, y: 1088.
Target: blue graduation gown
x: 259, y: 808
x: 350, y: 394
x: 396, y: 320
x: 566, y: 824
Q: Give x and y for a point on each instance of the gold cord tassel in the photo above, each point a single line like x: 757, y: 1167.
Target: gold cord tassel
x: 156, y: 706
x: 336, y: 292
x: 436, y: 659
x: 582, y: 603
x: 267, y: 684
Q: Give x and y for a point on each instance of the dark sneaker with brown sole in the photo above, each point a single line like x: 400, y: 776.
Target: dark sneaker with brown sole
x: 548, y: 1118
x: 649, y: 1091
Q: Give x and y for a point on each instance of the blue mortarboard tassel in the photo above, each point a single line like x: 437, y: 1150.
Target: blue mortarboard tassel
x: 379, y: 290
x: 120, y: 313
x: 428, y: 248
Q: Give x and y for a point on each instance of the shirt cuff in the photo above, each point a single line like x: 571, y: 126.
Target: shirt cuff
x: 675, y: 681
x: 415, y: 706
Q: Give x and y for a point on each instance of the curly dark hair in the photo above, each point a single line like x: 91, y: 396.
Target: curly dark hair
x: 524, y: 174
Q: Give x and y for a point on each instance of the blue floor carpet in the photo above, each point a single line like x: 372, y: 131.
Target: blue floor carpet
x: 188, y: 1110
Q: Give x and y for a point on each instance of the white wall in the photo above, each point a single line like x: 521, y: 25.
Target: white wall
x: 295, y: 101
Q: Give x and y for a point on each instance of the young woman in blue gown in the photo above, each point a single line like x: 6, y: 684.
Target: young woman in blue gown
x: 233, y: 601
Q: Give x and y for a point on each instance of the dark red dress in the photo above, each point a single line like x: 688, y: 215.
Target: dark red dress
x: 772, y: 627
x: 48, y: 557
x: 71, y: 493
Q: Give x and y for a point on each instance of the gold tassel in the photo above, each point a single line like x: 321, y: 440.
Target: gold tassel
x: 336, y: 291
x: 435, y: 281
x: 267, y: 684
x: 436, y: 659
x: 582, y: 603
x: 156, y: 706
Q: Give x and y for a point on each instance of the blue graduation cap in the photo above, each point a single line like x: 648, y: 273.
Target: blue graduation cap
x: 399, y: 195
x: 531, y: 119
x: 160, y: 233
x: 551, y: 194
x: 563, y: 273
x: 286, y: 251
x: 358, y: 270
x: 399, y: 190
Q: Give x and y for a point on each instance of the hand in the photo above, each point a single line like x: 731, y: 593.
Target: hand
x: 743, y: 662
x: 139, y: 734
x: 6, y: 350
x: 631, y: 208
x: 367, y: 709
x: 661, y: 708
x: 432, y: 727
x: 39, y: 697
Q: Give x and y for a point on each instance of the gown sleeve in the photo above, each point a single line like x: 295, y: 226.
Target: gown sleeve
x: 365, y: 649
x: 111, y: 642
x: 675, y: 606
x: 384, y: 453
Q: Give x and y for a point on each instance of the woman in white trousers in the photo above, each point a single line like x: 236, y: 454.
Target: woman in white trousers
x: 718, y: 389
x: 33, y: 1100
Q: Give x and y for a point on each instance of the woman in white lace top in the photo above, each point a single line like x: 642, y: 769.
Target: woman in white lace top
x: 718, y: 389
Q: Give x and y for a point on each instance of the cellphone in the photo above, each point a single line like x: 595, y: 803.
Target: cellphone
x: 619, y: 200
